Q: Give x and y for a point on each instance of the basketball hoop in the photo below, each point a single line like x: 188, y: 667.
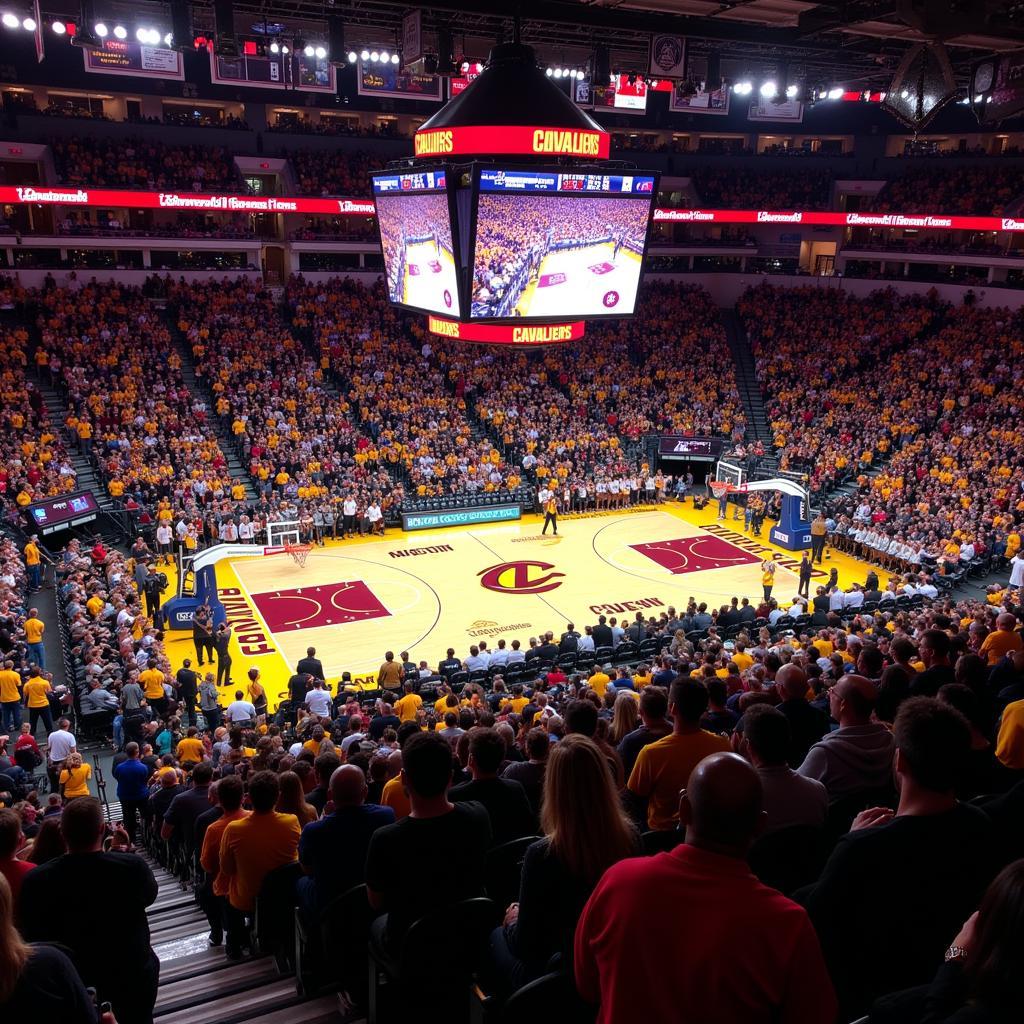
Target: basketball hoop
x: 719, y: 488
x: 298, y: 552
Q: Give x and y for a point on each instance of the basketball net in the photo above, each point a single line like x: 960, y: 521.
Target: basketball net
x: 298, y: 552
x: 720, y: 488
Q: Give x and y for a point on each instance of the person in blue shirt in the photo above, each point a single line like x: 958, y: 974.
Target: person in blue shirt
x: 132, y: 792
x: 332, y: 850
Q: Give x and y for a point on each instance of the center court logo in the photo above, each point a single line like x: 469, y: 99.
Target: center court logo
x: 524, y: 577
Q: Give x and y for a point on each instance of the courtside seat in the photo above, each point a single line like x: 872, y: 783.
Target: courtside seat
x: 514, y: 673
x: 664, y: 642
x: 649, y: 647
x: 585, y: 662
x: 626, y: 651
x: 567, y: 662
x: 478, y: 675
x: 458, y: 680
x: 785, y: 622
x: 696, y: 635
x: 603, y: 655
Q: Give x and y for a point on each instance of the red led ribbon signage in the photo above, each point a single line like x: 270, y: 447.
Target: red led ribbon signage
x: 58, y: 195
x: 507, y: 334
x: 515, y: 140
x: 212, y: 203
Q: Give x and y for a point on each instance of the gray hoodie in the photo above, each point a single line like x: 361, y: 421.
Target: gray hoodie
x: 850, y: 759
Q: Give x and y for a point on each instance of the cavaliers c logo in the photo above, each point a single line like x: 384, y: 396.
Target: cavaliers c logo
x: 520, y: 578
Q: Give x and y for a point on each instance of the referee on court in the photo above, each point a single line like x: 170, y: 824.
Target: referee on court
x: 551, y: 513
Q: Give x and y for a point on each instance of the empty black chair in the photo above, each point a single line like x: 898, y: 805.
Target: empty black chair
x: 626, y: 651
x: 655, y: 841
x: 585, y: 661
x: 649, y: 647
x: 785, y: 622
x: 458, y: 679
x: 332, y: 948
x: 514, y: 673
x: 459, y: 932
x: 602, y: 655
x: 664, y: 642
x: 567, y: 662
x: 551, y: 997
x: 503, y: 866
x: 802, y: 620
x: 696, y: 635
x: 275, y: 913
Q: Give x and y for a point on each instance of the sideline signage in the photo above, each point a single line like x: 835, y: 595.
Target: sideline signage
x: 466, y: 516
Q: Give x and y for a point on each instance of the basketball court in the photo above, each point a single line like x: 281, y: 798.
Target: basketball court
x: 430, y: 280
x: 597, y: 279
x: 424, y: 592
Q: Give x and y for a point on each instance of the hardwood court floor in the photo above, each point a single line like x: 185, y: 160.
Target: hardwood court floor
x: 424, y: 592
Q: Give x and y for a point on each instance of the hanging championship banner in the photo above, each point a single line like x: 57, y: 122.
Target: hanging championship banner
x: 667, y: 57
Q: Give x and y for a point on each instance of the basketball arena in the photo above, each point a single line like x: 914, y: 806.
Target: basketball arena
x: 511, y: 512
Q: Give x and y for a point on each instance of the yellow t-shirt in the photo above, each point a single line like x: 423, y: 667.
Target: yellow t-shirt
x: 95, y: 605
x: 407, y: 706
x: 36, y: 690
x: 10, y: 681
x: 31, y: 554
x: 76, y: 781
x: 518, y: 703
x: 34, y: 629
x: 395, y: 797
x: 152, y: 683
x: 663, y: 768
x: 1010, y: 744
x: 190, y: 749
x: 598, y: 682
x: 251, y: 848
x: 767, y: 578
x: 742, y: 659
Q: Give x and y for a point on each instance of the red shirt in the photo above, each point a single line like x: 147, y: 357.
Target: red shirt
x: 14, y: 871
x: 693, y: 937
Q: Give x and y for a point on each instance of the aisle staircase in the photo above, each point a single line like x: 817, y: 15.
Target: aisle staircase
x: 201, y: 389
x: 749, y: 387
x: 199, y: 985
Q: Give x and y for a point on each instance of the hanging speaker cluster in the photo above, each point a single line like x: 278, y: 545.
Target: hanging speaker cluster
x: 922, y: 86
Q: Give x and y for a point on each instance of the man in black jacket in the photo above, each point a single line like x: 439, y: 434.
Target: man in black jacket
x: 897, y: 887
x: 188, y: 687
x: 807, y: 724
x: 94, y: 903
x: 506, y: 801
x: 570, y: 640
x: 548, y: 650
x: 602, y: 633
x: 221, y: 640
x: 311, y: 664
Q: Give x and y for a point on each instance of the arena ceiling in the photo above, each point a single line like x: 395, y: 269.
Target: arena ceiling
x: 852, y: 41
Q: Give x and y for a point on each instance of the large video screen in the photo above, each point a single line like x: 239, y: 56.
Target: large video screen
x: 414, y: 218
x: 552, y: 245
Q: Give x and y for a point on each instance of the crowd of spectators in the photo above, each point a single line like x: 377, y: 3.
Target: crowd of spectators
x: 980, y: 191
x: 809, y: 781
x: 331, y: 172
x: 735, y: 189
x: 34, y: 461
x: 145, y: 164
x: 297, y: 439
x: 129, y: 409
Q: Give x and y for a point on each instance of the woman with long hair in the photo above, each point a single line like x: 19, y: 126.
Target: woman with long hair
x: 585, y: 832
x: 292, y: 799
x: 48, y: 843
x: 38, y: 982
x: 625, y: 717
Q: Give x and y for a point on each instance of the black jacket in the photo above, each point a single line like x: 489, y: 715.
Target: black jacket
x: 312, y: 666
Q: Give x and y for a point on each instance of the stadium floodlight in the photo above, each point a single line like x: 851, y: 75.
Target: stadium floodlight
x: 120, y: 32
x: 836, y: 92
x: 10, y: 20
x: 275, y: 47
x: 791, y: 91
x: 284, y: 49
x: 395, y: 59
x: 744, y: 88
x: 385, y: 57
x: 549, y: 72
x: 321, y: 52
x: 29, y: 24
x: 905, y: 95
x: 168, y: 39
x: 59, y: 28
x: 558, y: 72
x: 374, y: 56
x: 352, y: 56
x: 308, y: 50
x: 101, y: 30
x: 769, y: 90
x: 365, y: 55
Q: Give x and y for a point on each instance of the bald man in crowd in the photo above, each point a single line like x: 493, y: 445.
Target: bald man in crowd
x: 807, y: 724
x: 858, y: 755
x: 657, y: 939
x: 332, y: 850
